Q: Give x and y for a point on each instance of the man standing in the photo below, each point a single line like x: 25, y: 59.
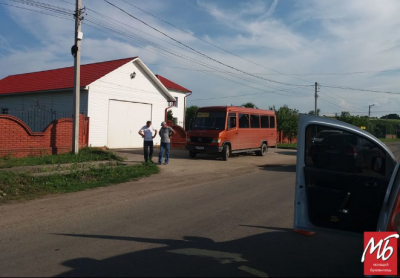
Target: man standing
x: 165, y: 133
x: 147, y: 133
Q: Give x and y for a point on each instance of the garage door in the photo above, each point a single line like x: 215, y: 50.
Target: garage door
x: 125, y: 119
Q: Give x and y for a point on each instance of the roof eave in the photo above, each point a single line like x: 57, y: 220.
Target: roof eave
x: 169, y: 97
x: 180, y: 91
x: 42, y: 91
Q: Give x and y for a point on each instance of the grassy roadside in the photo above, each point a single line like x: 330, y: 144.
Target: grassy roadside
x: 390, y: 140
x: 16, y: 186
x: 287, y: 146
x: 85, y: 155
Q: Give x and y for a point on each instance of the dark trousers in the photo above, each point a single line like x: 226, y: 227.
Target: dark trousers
x: 148, y: 154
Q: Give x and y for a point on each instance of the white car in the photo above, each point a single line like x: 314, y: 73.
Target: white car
x: 335, y: 199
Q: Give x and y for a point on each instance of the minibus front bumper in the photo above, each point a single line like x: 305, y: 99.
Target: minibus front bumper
x: 204, y: 149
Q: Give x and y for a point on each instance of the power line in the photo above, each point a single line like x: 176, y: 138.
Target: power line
x: 311, y: 74
x: 210, y: 43
x: 218, y: 76
x: 202, y: 54
x: 191, y: 60
x: 181, y: 56
x: 361, y: 90
x: 266, y: 92
x: 45, y: 6
x: 37, y: 11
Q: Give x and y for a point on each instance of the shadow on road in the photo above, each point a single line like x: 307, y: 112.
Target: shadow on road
x: 279, y: 252
x: 279, y: 168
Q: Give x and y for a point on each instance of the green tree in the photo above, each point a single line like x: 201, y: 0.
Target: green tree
x: 249, y: 105
x: 190, y: 114
x: 391, y: 117
x: 287, y: 120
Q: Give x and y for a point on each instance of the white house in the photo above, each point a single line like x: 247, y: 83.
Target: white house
x: 118, y: 96
x: 180, y: 94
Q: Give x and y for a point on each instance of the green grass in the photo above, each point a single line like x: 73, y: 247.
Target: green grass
x: 390, y: 140
x: 16, y: 186
x: 288, y: 146
x: 85, y: 155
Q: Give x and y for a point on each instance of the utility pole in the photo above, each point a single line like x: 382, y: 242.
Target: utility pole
x: 316, y: 99
x: 76, y: 52
x: 369, y: 116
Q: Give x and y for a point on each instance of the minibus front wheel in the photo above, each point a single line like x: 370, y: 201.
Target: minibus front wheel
x: 192, y: 154
x: 226, y: 152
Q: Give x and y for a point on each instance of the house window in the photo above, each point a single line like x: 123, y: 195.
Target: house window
x: 176, y: 102
x: 4, y: 111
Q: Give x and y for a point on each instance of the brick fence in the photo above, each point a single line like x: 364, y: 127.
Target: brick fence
x: 284, y: 140
x: 18, y: 140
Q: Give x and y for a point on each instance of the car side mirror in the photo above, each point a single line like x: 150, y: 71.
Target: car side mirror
x: 377, y: 164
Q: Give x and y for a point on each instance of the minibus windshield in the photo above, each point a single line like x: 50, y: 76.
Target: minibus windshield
x: 210, y: 120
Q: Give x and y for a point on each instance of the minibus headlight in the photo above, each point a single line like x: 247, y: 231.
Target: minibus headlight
x: 187, y: 139
x: 216, y: 141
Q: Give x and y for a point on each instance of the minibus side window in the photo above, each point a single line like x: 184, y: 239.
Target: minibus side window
x: 255, y: 121
x: 272, y: 122
x: 244, y: 121
x: 232, y: 120
x: 264, y: 122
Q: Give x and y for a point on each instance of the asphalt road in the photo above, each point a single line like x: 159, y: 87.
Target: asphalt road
x: 201, y: 217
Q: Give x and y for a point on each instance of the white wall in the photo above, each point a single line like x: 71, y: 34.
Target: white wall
x: 178, y: 112
x: 118, y: 85
x: 56, y: 101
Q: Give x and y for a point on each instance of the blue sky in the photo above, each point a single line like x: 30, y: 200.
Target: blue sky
x: 293, y: 42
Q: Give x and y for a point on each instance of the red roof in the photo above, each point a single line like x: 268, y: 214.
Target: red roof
x: 171, y: 85
x: 59, y: 78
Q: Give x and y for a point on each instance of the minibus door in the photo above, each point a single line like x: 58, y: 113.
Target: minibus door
x: 232, y: 133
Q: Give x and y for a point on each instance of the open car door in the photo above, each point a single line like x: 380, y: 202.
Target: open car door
x: 344, y: 178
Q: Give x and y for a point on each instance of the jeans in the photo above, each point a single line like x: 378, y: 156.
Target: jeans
x: 166, y: 147
x: 146, y: 146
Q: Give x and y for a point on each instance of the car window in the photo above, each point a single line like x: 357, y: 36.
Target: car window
x: 343, y: 152
x: 244, y: 121
x: 255, y: 121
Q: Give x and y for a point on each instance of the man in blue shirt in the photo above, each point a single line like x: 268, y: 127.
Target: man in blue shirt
x: 165, y: 133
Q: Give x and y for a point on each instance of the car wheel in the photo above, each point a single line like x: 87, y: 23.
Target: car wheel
x: 226, y: 152
x: 263, y: 151
x: 192, y: 154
